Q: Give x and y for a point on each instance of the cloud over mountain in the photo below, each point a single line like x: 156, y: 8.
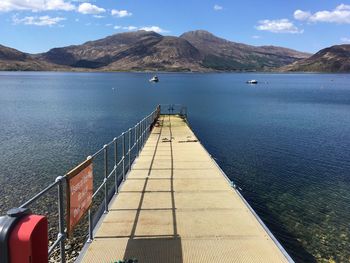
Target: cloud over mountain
x: 120, y: 13
x: 340, y: 15
x: 278, y: 26
x: 90, y: 9
x: 37, y: 20
x: 35, y: 5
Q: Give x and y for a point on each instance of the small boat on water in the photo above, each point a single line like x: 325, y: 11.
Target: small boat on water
x: 253, y: 81
x: 154, y: 79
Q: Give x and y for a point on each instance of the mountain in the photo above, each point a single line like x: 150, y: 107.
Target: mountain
x: 331, y: 59
x: 222, y: 54
x: 13, y: 60
x: 143, y: 50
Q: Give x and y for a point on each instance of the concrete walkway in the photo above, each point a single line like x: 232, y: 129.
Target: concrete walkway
x: 177, y: 206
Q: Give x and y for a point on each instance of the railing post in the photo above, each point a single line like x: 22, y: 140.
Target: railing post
x: 105, y: 177
x: 135, y: 140
x: 123, y: 135
x: 148, y: 125
x: 147, y: 128
x: 91, y: 227
x: 143, y: 132
x: 115, y: 165
x: 145, y: 135
x: 140, y: 135
x: 129, y: 155
x: 61, y: 233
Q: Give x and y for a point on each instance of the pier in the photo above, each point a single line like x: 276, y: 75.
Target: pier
x: 152, y: 194
x: 177, y: 205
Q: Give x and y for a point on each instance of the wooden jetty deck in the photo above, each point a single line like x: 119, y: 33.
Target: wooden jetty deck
x: 177, y: 206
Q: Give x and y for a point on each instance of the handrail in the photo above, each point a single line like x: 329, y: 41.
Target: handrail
x: 140, y: 133
x: 131, y: 143
x: 173, y: 109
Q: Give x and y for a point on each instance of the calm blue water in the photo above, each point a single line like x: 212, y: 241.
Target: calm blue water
x: 285, y: 141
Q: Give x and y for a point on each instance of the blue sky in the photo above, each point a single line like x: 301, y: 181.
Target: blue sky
x: 37, y: 25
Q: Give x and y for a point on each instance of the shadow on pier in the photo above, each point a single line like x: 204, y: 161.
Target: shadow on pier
x: 156, y: 248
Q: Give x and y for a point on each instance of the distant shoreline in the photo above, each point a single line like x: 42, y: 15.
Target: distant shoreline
x: 173, y: 72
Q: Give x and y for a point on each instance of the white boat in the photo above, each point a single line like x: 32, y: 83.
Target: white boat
x: 253, y: 81
x: 154, y: 79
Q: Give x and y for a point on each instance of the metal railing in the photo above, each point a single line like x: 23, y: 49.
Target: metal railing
x: 125, y: 148
x: 173, y: 109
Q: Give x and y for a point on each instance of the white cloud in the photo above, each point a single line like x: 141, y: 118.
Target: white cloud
x: 130, y: 28
x: 340, y: 15
x: 35, y: 5
x: 120, y: 13
x: 301, y: 15
x: 98, y: 16
x: 115, y: 27
x: 345, y: 40
x: 37, y: 20
x: 218, y: 7
x: 156, y: 29
x: 256, y: 37
x: 90, y: 9
x: 278, y: 26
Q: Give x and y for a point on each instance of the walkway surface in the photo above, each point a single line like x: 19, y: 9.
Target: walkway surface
x: 177, y: 206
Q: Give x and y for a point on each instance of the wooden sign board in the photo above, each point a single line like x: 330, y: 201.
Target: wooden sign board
x: 79, y: 193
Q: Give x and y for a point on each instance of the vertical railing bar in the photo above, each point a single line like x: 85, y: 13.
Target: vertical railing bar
x: 129, y: 168
x: 105, y: 177
x: 115, y: 166
x: 91, y: 227
x: 141, y: 132
x: 61, y: 218
x: 144, y: 131
x: 135, y: 139
x: 148, y: 126
x: 123, y: 156
x: 140, y: 136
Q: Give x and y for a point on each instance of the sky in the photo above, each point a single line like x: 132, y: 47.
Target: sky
x: 36, y: 26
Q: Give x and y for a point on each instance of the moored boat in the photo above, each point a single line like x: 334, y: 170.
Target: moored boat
x: 253, y: 81
x: 154, y: 79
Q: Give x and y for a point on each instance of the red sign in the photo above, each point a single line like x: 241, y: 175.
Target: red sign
x: 79, y: 194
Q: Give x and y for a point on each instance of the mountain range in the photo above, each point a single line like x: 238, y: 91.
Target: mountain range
x: 331, y: 59
x: 149, y: 51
